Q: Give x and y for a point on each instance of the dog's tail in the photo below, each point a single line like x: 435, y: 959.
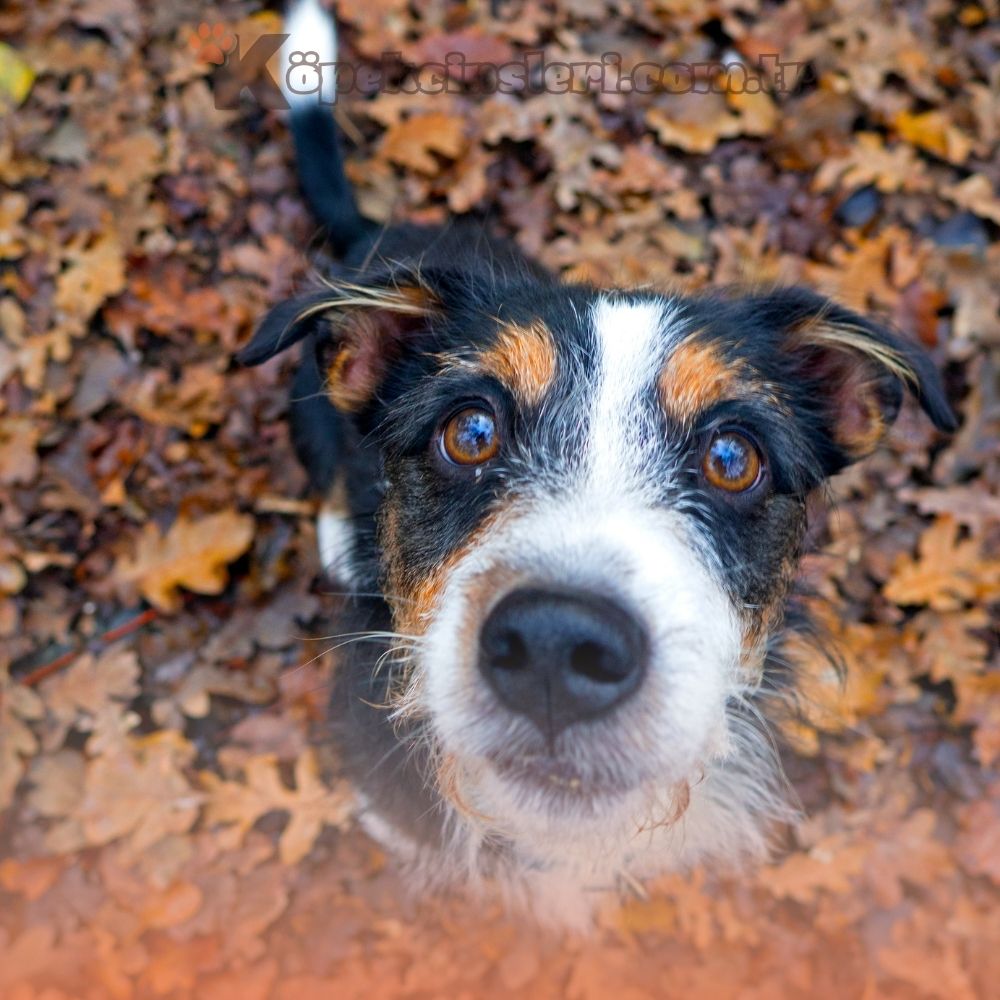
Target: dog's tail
x: 312, y: 31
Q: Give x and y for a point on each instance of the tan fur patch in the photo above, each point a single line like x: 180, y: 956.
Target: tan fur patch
x: 695, y: 376
x: 762, y: 622
x: 413, y: 600
x: 353, y: 375
x: 523, y: 358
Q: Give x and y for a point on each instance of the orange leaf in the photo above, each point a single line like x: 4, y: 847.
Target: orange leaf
x: 94, y: 275
x: 410, y: 143
x: 946, y: 572
x: 19, y: 705
x: 193, y: 554
x: 173, y: 907
x: 310, y: 805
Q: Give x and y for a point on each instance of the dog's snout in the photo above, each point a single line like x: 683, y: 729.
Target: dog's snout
x: 560, y: 657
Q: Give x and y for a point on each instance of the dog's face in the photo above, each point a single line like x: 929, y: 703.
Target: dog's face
x: 592, y: 509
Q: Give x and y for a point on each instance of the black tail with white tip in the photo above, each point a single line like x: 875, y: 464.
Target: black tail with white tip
x: 311, y: 29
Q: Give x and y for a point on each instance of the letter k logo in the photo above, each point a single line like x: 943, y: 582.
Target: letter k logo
x: 249, y: 71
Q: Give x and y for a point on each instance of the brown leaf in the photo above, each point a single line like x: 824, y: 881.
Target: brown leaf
x: 176, y: 905
x: 128, y: 161
x: 979, y: 706
x: 77, y: 695
x: 412, y: 142
x: 976, y: 194
x: 19, y: 706
x: 870, y: 161
x: 193, y: 554
x: 931, y: 130
x: 19, y: 437
x: 946, y: 573
x: 95, y: 273
x: 310, y: 804
x: 978, y: 846
x: 139, y: 792
x: 829, y: 867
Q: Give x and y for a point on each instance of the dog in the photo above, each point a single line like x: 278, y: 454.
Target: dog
x: 569, y: 519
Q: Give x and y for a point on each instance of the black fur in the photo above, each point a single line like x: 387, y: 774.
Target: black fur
x: 385, y: 449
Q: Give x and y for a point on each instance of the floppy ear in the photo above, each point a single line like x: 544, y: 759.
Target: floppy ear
x: 851, y: 374
x: 358, y: 330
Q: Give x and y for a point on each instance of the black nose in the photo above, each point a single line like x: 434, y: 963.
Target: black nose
x: 560, y: 657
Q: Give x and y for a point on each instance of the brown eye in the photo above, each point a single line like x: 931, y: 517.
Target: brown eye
x: 470, y: 437
x: 732, y: 462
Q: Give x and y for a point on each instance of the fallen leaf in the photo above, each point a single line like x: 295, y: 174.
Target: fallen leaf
x: 976, y: 194
x: 931, y: 131
x: 19, y: 706
x: 870, y: 161
x: 139, y: 792
x: 94, y: 274
x: 19, y: 437
x: 412, y: 142
x: 193, y: 554
x: 828, y: 868
x: 76, y: 695
x: 310, y: 804
x: 946, y: 572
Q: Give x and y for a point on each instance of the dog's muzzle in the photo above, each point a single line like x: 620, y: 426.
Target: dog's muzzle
x: 559, y: 657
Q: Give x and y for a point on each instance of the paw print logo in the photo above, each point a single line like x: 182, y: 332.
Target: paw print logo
x: 212, y: 42
x: 304, y: 74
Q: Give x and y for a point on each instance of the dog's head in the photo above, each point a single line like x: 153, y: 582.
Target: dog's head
x: 593, y: 504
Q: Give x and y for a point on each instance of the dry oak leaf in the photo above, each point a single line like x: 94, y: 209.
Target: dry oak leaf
x: 76, y: 696
x: 310, y: 804
x: 13, y: 234
x: 193, y: 404
x: 946, y: 572
x: 974, y: 505
x: 172, y: 907
x: 827, y: 700
x: 869, y: 161
x: 19, y: 705
x: 27, y: 955
x: 979, y: 706
x: 30, y: 878
x: 193, y: 554
x: 976, y: 194
x: 139, y: 791
x: 19, y: 438
x: 978, y: 845
x: 948, y: 648
x: 918, y: 956
x: 697, y: 122
x: 831, y: 866
x: 931, y: 131
x: 128, y: 161
x: 94, y: 274
x: 411, y: 143
x: 907, y: 853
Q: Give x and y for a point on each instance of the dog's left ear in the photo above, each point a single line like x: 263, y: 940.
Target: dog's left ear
x: 358, y: 330
x: 850, y: 373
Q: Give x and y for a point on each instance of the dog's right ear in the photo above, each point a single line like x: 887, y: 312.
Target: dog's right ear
x: 359, y: 330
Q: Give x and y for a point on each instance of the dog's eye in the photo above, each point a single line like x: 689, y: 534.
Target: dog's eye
x: 470, y: 437
x: 731, y: 462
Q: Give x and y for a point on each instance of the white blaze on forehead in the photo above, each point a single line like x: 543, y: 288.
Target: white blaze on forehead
x: 632, y: 338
